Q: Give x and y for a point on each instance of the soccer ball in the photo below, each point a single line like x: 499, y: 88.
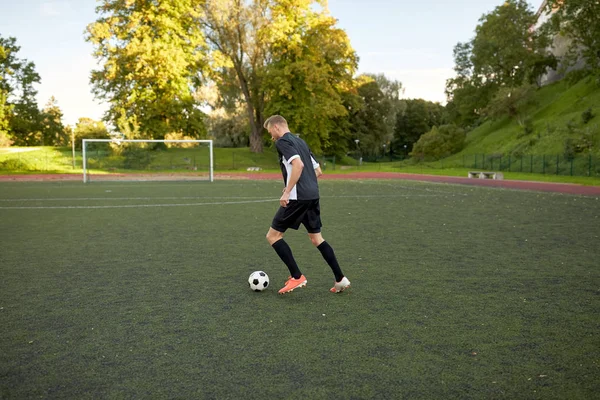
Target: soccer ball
x: 258, y: 281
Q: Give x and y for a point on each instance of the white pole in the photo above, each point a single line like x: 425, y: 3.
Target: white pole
x: 73, y: 145
x: 211, y: 160
x: 84, y: 160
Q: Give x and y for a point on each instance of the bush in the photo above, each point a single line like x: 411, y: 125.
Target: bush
x: 580, y: 140
x: 14, y: 164
x: 135, y: 157
x: 510, y: 101
x: 5, y: 140
x: 571, y: 127
x: 569, y: 149
x: 528, y: 128
x: 439, y: 142
x: 587, y: 116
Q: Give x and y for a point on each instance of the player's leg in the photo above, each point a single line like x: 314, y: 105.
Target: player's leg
x: 312, y: 222
x: 327, y: 253
x: 283, y: 250
x: 275, y: 238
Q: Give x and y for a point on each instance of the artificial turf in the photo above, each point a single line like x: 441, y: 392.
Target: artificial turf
x: 138, y: 290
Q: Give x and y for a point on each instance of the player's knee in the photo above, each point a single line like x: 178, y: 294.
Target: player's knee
x: 316, y: 240
x: 273, y: 236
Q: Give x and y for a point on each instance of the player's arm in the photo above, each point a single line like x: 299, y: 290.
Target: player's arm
x: 297, y: 166
x: 316, y: 166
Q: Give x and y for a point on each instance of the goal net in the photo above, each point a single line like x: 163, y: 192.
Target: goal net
x: 143, y: 160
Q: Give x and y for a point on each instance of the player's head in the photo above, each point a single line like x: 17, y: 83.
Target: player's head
x: 277, y: 126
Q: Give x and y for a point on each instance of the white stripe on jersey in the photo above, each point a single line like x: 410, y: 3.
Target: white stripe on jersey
x: 288, y: 169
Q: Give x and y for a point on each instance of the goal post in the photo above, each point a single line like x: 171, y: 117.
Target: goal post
x: 120, y: 159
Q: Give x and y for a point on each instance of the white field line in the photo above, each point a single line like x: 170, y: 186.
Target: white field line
x: 135, y: 198
x: 141, y: 205
x: 254, y: 200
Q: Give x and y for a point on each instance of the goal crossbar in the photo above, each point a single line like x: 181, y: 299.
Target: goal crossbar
x: 118, y: 141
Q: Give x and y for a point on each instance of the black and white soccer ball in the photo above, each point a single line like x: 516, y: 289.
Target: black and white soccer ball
x: 258, y: 281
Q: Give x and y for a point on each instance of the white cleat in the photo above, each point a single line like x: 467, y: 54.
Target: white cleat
x: 340, y: 286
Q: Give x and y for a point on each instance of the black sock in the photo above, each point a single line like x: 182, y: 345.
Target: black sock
x: 329, y: 256
x: 285, y: 253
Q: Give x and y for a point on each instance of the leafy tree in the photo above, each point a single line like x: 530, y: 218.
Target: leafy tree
x: 236, y: 34
x: 579, y: 20
x: 229, y: 129
x: 5, y: 112
x: 510, y: 102
x: 153, y: 56
x: 417, y: 118
x: 440, y: 142
x: 285, y: 57
x: 312, y: 64
x: 391, y: 90
x: 87, y: 128
x: 19, y: 113
x: 342, y: 127
x: 505, y: 52
x: 369, y: 121
x: 505, y: 48
x: 53, y: 130
x: 467, y: 93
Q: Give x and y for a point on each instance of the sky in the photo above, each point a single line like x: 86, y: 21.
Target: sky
x: 407, y: 40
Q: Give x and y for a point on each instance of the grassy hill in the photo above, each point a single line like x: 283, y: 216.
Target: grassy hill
x: 555, y: 116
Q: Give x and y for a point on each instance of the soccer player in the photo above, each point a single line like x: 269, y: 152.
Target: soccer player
x: 299, y: 204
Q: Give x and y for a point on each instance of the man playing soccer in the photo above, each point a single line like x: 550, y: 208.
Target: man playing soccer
x: 299, y: 204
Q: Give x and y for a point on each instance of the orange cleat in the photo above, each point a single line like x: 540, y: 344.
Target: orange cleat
x: 292, y: 284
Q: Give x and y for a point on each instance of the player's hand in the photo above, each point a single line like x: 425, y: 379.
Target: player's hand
x: 285, y: 199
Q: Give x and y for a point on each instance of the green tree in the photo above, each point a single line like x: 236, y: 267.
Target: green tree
x: 511, y: 102
x: 579, y: 20
x: 87, y: 128
x: 312, y: 64
x: 417, y: 118
x: 19, y: 113
x: 505, y: 52
x: 285, y: 57
x: 440, y: 142
x: 53, y: 130
x: 467, y: 93
x: 5, y: 113
x: 236, y: 33
x: 391, y: 104
x: 153, y: 56
x: 342, y: 127
x: 369, y: 120
x: 505, y: 48
x: 230, y: 129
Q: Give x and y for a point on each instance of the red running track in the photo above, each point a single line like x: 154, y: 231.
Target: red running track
x: 569, y: 188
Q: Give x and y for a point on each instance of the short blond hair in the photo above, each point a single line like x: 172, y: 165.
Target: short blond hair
x: 275, y: 120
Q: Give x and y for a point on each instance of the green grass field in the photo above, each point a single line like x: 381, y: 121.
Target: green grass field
x: 138, y: 290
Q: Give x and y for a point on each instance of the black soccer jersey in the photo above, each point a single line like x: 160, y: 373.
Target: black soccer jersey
x: 290, y: 147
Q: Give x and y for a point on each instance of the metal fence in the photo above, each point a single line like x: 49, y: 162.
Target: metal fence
x: 584, y: 165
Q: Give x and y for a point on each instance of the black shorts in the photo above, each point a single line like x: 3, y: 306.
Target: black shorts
x: 305, y: 212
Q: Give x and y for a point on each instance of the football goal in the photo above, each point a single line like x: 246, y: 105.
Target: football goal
x: 144, y: 160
